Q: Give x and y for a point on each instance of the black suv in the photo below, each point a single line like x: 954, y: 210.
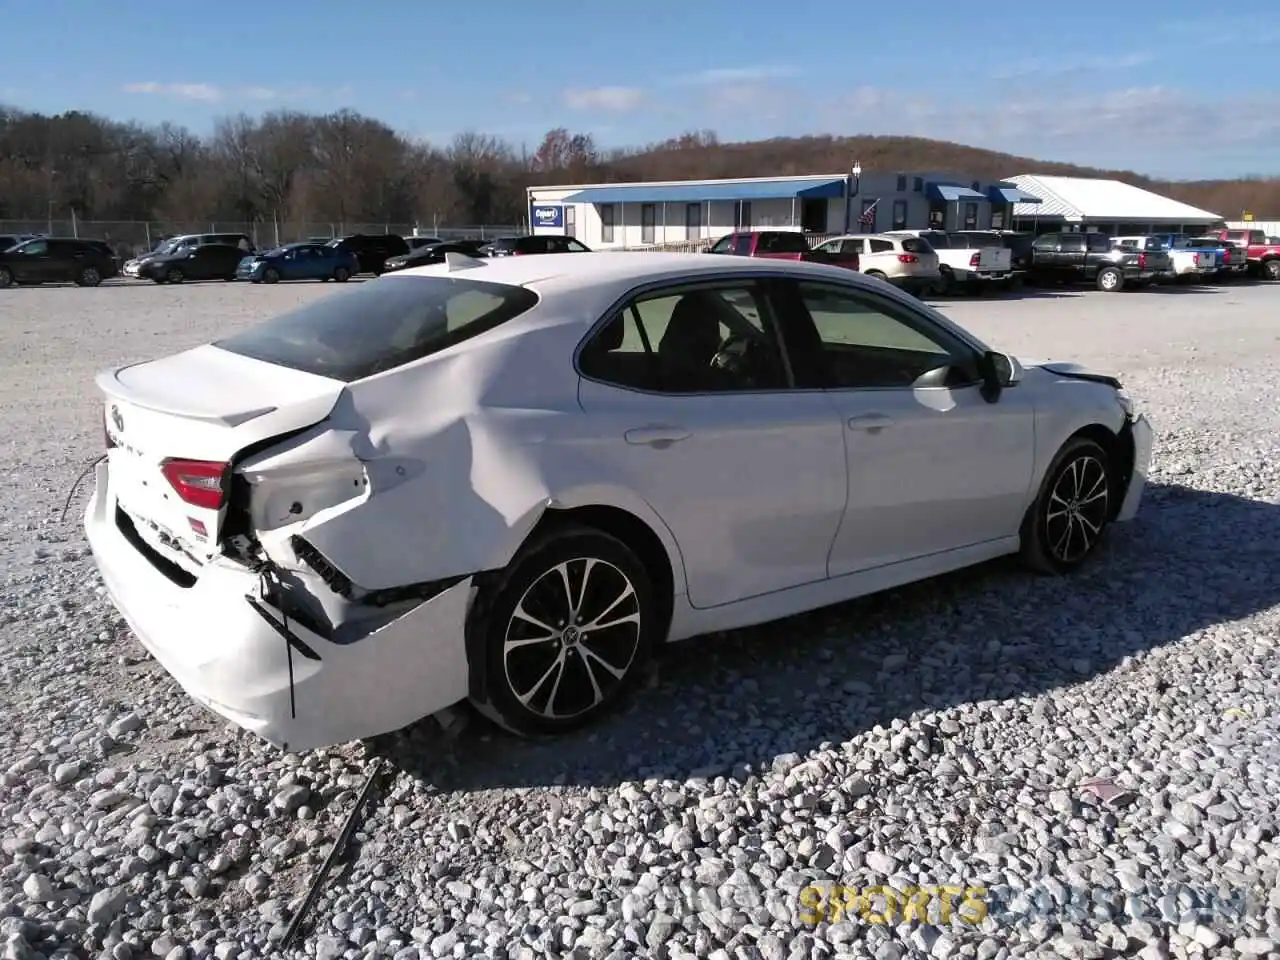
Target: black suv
x: 372, y: 249
x: 58, y: 260
x: 521, y: 246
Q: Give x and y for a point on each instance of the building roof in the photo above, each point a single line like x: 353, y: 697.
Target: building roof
x: 696, y: 191
x: 1080, y: 198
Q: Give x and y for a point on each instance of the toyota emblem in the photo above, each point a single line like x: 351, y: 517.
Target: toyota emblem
x: 117, y: 419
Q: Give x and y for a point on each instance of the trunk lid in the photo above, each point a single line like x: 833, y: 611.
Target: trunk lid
x: 195, y: 411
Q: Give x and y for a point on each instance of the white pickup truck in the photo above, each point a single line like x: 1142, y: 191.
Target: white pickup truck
x: 963, y: 264
x: 1189, y: 264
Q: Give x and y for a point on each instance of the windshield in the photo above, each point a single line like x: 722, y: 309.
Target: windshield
x: 381, y: 326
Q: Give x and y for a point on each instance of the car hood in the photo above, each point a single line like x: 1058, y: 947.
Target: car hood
x: 1070, y: 370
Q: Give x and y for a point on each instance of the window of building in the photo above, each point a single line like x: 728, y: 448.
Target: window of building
x: 899, y: 215
x: 606, y: 222
x: 998, y: 217
x: 742, y: 215
x: 918, y: 185
x: 937, y: 215
x: 970, y: 216
x: 902, y: 182
x: 648, y: 217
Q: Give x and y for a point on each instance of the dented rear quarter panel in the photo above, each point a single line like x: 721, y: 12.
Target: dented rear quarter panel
x: 444, y: 466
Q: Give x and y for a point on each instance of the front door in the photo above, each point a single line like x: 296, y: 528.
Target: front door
x: 813, y: 215
x: 932, y: 468
x: 692, y: 410
x: 35, y: 263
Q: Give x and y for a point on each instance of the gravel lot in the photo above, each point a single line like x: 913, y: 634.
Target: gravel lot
x: 944, y: 734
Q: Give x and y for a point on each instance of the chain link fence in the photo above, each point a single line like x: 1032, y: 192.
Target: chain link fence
x: 132, y: 237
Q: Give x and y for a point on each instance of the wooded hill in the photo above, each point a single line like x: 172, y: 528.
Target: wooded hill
x: 344, y: 167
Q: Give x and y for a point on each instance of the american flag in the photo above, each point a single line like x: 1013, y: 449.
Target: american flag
x: 869, y: 215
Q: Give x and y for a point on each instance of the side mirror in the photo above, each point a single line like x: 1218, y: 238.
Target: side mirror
x: 999, y: 371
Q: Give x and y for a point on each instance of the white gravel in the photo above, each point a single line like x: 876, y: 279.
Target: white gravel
x: 943, y: 734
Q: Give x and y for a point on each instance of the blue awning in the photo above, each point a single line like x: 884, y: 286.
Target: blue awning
x: 701, y: 191
x: 950, y: 192
x: 1011, y: 195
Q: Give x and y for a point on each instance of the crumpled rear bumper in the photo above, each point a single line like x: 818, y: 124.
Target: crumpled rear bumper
x: 232, y: 659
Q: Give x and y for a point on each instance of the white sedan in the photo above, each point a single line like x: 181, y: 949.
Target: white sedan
x: 505, y: 481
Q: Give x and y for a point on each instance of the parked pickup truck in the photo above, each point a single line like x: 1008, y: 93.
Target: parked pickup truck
x: 1018, y: 243
x: 1233, y: 261
x: 1187, y: 264
x: 1093, y: 258
x: 1262, y: 252
x: 781, y: 245
x: 962, y: 264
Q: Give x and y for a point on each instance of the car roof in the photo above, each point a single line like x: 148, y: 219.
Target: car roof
x: 582, y: 270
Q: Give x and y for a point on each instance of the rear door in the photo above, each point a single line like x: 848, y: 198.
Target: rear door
x: 748, y: 473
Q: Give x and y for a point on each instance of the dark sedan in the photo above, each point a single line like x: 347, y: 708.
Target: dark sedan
x: 434, y: 253
x: 212, y: 261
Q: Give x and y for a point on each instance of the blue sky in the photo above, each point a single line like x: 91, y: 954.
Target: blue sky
x: 1161, y: 89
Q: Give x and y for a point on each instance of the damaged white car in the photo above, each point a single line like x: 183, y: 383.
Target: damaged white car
x: 505, y: 481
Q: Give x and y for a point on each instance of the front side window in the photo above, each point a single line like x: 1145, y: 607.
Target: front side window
x: 380, y: 326
x: 868, y: 344
x: 36, y: 248
x: 706, y: 339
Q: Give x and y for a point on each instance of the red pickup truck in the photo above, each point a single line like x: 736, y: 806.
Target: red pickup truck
x: 780, y: 245
x: 1264, y: 257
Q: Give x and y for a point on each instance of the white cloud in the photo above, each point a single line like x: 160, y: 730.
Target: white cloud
x: 1214, y: 32
x: 205, y: 92
x: 612, y: 99
x: 1137, y: 119
x: 729, y: 75
x: 1086, y: 63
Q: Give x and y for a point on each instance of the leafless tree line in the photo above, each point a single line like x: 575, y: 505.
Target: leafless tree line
x: 345, y: 168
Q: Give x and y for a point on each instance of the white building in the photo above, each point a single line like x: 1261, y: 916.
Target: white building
x: 615, y: 215
x: 1108, y: 206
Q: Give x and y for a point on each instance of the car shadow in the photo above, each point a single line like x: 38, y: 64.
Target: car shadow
x: 714, y: 705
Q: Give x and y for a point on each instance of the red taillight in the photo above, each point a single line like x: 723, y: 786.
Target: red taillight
x: 198, y: 482
x: 517, y: 253
x: 1142, y: 261
x: 974, y: 260
x: 1196, y: 259
x: 908, y: 258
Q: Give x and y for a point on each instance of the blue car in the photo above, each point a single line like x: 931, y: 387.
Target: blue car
x: 299, y: 261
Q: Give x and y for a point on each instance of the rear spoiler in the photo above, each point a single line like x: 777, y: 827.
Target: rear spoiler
x: 109, y: 383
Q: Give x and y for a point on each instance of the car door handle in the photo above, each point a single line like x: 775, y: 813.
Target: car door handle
x: 657, y: 435
x: 871, y: 422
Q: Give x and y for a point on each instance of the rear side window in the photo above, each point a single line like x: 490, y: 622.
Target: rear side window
x: 939, y: 241
x: 882, y: 246
x: 782, y: 243
x: 380, y: 326
x: 916, y: 245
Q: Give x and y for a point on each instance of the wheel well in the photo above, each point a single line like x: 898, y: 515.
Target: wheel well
x: 627, y: 527
x: 1119, y: 447
x: 632, y: 531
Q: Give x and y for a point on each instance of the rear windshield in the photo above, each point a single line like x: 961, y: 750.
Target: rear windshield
x: 382, y: 325
x: 916, y: 245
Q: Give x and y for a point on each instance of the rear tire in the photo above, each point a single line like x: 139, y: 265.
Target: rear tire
x: 1271, y: 270
x: 1072, y: 511
x: 89, y: 277
x: 547, y: 671
x: 1110, y: 280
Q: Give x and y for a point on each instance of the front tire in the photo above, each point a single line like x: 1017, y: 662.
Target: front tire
x: 6, y: 278
x: 1070, y: 515
x: 565, y: 632
x: 271, y: 275
x: 175, y: 276
x: 342, y: 275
